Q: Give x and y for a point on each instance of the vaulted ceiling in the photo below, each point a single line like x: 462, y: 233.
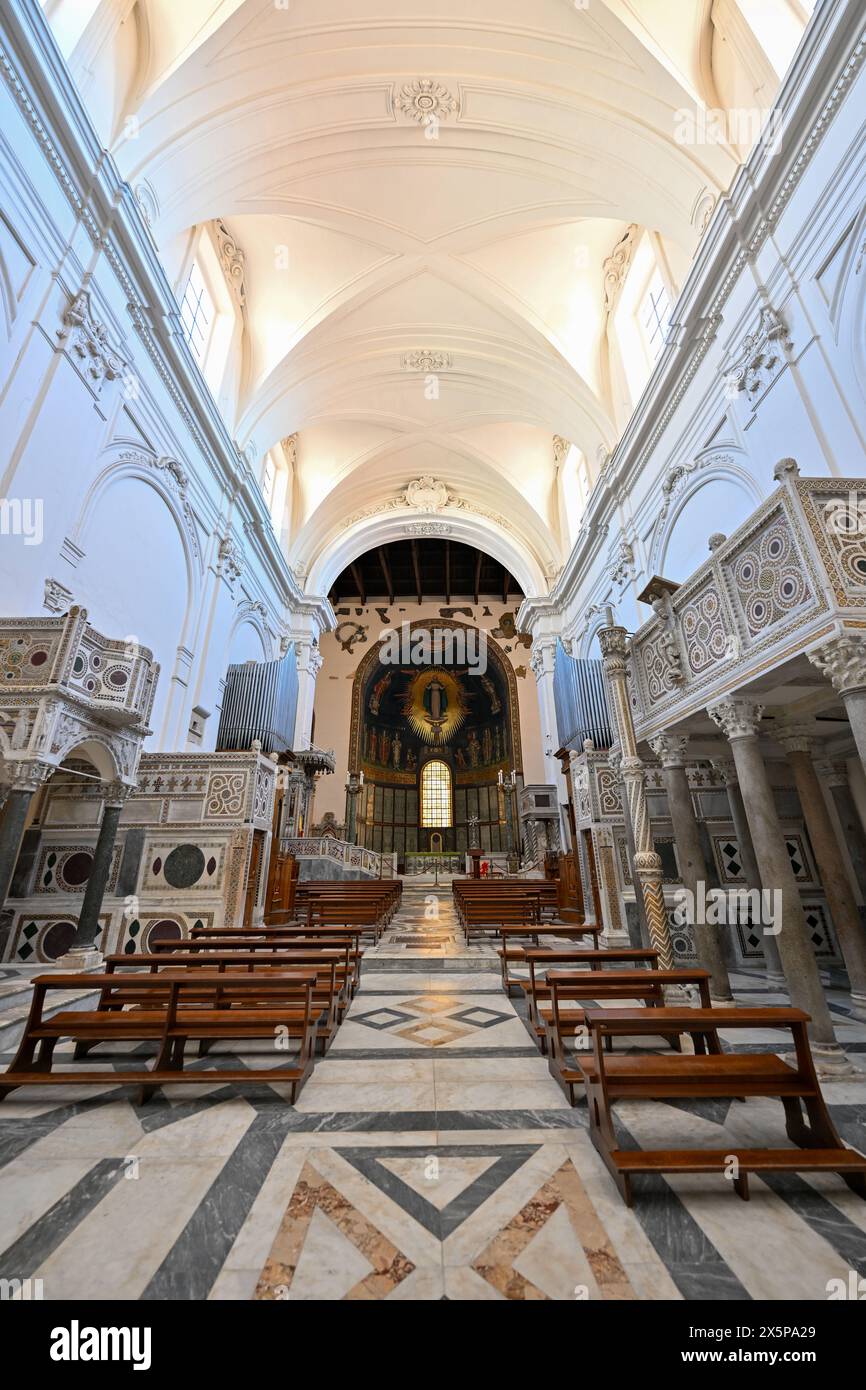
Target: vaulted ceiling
x: 371, y: 237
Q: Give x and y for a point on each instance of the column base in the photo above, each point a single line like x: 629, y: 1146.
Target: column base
x: 81, y: 958
x: 831, y: 1062
x: 858, y: 1007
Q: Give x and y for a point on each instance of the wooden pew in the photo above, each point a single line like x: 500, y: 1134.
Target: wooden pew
x: 510, y: 953
x: 329, y: 971
x: 276, y: 943
x: 537, y: 990
x: 263, y: 1006
x: 510, y: 933
x: 586, y: 987
x: 716, y: 1075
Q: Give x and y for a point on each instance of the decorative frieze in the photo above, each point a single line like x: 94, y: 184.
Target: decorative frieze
x: 426, y: 360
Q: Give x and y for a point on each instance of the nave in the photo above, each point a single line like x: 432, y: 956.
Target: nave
x: 430, y: 1155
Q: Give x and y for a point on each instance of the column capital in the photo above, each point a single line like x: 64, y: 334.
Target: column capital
x: 24, y: 775
x: 614, y: 646
x: 843, y: 661
x: 737, y: 718
x: 727, y: 770
x: 116, y: 793
x: 795, y: 738
x: 670, y: 749
x: 542, y: 657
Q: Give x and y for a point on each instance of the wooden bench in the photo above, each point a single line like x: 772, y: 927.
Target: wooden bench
x: 510, y: 954
x: 673, y: 1076
x: 273, y: 1007
x: 536, y: 989
x: 301, y: 940
x: 328, y: 971
x: 511, y: 932
x: 586, y: 988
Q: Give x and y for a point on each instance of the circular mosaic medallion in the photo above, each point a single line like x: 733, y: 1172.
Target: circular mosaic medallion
x: 76, y: 869
x: 184, y: 866
x: 57, y: 940
x: 164, y: 930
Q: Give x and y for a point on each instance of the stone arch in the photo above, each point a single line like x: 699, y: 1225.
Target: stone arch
x: 683, y: 484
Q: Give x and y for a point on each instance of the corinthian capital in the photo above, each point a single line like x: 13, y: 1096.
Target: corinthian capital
x: 843, y: 661
x: 795, y: 738
x: 670, y: 749
x: 736, y: 718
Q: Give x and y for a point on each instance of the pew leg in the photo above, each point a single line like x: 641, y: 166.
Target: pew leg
x: 822, y: 1133
x: 741, y: 1185
x: 795, y: 1126
x: 45, y: 1054
x: 23, y: 1059
x: 856, y: 1181
x: 81, y: 1049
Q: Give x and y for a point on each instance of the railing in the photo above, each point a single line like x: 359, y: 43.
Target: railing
x: 116, y: 677
x: 782, y: 583
x: 368, y: 861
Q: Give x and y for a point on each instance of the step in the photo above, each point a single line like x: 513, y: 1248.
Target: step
x: 15, y: 1005
x: 753, y: 1160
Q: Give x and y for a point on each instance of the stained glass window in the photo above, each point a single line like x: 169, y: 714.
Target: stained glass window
x: 436, y: 794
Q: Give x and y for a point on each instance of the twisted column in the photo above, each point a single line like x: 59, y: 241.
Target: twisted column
x: 647, y: 863
x: 739, y: 719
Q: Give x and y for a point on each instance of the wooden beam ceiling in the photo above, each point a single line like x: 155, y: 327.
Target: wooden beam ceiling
x: 416, y: 565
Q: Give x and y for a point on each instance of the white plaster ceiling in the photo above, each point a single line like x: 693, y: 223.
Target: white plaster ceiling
x: 486, y: 244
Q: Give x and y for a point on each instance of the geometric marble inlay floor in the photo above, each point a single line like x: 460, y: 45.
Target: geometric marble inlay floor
x: 431, y: 1155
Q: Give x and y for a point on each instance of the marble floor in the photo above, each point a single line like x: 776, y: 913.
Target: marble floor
x: 431, y: 1155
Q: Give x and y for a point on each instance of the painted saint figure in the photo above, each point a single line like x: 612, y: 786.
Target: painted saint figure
x: 487, y: 744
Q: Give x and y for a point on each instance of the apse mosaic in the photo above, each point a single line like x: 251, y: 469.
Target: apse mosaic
x: 410, y: 713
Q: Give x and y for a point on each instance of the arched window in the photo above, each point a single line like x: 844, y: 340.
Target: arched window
x: 436, y: 794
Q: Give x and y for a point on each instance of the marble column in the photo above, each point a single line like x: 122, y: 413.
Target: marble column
x: 614, y: 759
x: 353, y: 787
x: 116, y: 795
x: 739, y: 719
x: 671, y: 751
x: 835, y: 774
x: 774, y: 974
x: 843, y: 661
x: 24, y: 780
x: 834, y: 878
x: 647, y: 863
